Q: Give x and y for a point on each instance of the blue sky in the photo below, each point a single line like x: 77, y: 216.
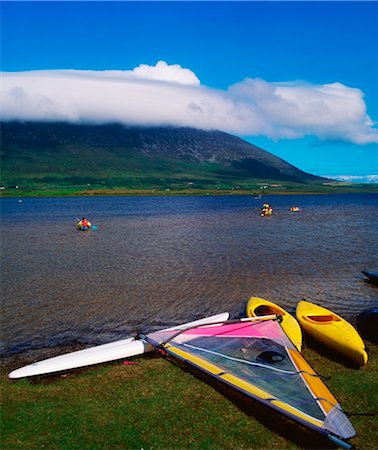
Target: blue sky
x: 222, y: 43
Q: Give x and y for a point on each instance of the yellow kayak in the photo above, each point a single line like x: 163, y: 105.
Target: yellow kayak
x: 259, y: 307
x: 332, y: 331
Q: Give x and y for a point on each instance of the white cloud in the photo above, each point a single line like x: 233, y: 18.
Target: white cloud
x: 294, y: 110
x: 169, y: 94
x: 163, y: 72
x: 355, y: 178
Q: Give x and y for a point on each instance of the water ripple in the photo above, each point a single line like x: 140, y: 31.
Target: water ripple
x: 154, y: 262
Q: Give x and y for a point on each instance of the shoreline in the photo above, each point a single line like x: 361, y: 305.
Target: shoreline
x: 24, y: 357
x: 322, y: 190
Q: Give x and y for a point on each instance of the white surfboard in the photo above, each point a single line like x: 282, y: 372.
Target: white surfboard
x: 113, y: 351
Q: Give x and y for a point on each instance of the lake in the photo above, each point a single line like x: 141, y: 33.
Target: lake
x: 158, y: 261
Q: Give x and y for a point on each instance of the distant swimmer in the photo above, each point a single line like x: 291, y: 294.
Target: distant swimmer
x: 294, y: 209
x: 84, y: 224
x: 266, y: 210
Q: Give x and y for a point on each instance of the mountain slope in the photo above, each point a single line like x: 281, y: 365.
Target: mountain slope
x: 42, y: 154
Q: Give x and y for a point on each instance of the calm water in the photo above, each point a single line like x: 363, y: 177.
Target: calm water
x: 158, y: 261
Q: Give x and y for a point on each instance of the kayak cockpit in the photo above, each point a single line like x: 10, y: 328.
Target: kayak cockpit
x: 325, y: 318
x: 266, y: 310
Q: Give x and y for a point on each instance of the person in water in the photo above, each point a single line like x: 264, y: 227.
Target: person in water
x: 266, y: 210
x: 84, y: 223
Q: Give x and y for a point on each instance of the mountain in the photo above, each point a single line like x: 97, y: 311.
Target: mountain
x: 38, y: 155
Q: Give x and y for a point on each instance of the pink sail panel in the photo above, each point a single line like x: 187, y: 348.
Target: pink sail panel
x: 268, y: 329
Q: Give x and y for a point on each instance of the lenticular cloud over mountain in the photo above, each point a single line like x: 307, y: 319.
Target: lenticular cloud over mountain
x: 171, y: 95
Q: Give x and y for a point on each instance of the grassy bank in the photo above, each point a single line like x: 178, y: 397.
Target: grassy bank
x: 156, y: 404
x: 64, y: 191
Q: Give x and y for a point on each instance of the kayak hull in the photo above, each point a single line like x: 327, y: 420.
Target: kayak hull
x: 332, y: 331
x: 259, y: 307
x: 372, y: 276
x: 125, y: 348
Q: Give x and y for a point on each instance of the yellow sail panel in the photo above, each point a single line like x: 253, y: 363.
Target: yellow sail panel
x: 245, y: 386
x: 295, y: 412
x: 215, y: 370
x: 260, y: 393
x: 318, y: 388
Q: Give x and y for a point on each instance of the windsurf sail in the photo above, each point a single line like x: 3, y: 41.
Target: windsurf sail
x: 258, y: 359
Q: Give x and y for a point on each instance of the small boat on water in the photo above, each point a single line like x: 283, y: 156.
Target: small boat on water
x: 260, y: 307
x: 266, y: 210
x: 367, y: 324
x: 332, y: 330
x: 84, y: 224
x: 372, y: 275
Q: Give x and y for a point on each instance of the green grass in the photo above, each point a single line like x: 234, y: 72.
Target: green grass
x: 99, y: 171
x: 172, y: 187
x: 157, y: 404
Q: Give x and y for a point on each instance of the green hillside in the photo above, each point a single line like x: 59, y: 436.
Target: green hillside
x: 59, y: 159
